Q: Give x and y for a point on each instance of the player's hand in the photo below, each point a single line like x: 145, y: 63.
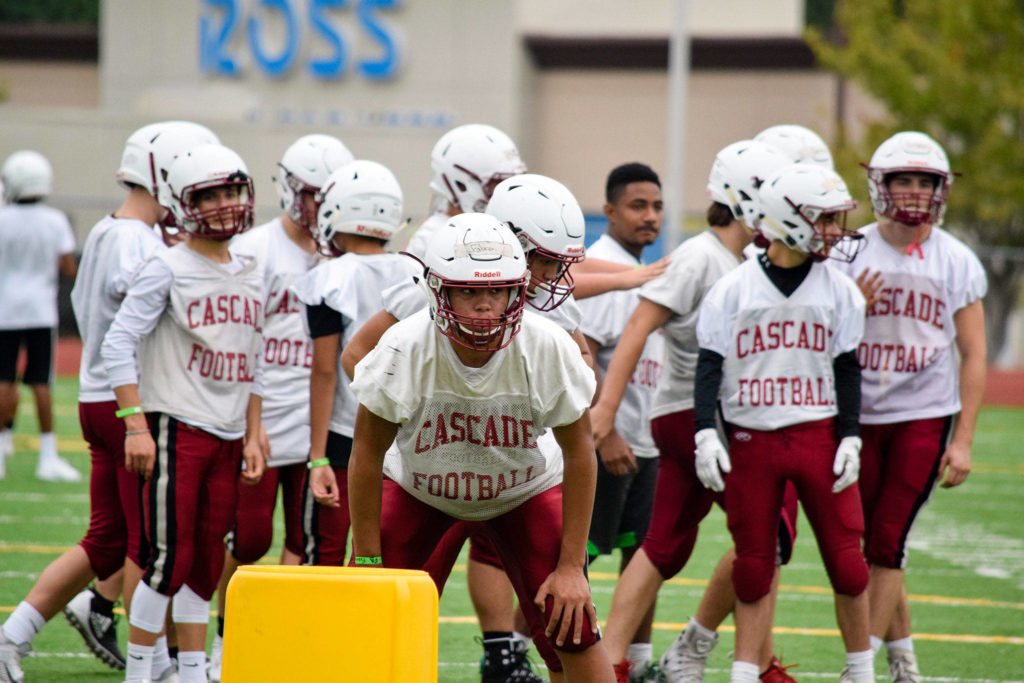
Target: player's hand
x: 957, y: 459
x: 712, y: 459
x: 616, y: 455
x: 602, y: 422
x: 265, y: 443
x: 254, y: 461
x: 569, y: 594
x: 324, y: 486
x: 140, y: 453
x: 847, y: 463
x: 870, y: 287
x: 639, y: 276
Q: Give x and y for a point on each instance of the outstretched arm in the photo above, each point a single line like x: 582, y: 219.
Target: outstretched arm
x: 373, y: 435
x: 567, y: 585
x: 594, y: 276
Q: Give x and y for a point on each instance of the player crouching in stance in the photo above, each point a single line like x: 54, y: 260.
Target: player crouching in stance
x: 194, y: 316
x: 779, y: 335
x: 466, y: 391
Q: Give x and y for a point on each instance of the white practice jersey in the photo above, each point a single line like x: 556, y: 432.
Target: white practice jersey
x: 695, y: 266
x: 287, y: 348
x: 32, y: 239
x: 779, y: 350
x: 197, y: 326
x: 421, y: 238
x: 469, y: 439
x: 351, y: 285
x: 604, y: 318
x: 908, y: 356
x: 113, y: 253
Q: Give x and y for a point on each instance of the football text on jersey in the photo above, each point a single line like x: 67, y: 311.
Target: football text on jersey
x: 470, y: 485
x: 498, y: 431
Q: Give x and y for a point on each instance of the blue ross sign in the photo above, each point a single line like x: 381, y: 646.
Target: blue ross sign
x: 221, y: 21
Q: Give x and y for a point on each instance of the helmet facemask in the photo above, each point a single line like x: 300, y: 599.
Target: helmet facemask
x: 843, y: 245
x: 907, y: 207
x: 477, y: 333
x: 219, y: 223
x: 295, y: 207
x: 559, y: 288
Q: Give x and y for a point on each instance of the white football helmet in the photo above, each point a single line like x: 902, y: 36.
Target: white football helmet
x: 360, y: 198
x: 305, y: 166
x: 802, y: 145
x: 548, y: 220
x: 909, y: 152
x: 26, y: 174
x: 138, y: 163
x: 475, y: 250
x: 201, y: 168
x: 793, y: 199
x: 469, y: 161
x: 737, y: 173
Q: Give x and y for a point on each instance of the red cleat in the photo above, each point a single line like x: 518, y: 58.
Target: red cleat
x: 776, y: 673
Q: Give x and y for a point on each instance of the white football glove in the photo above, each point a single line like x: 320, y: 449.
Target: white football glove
x: 712, y: 459
x: 847, y: 463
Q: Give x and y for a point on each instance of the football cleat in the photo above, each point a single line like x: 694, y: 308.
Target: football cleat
x: 168, y: 675
x: 684, y: 660
x: 651, y: 673
x: 56, y: 468
x: 776, y: 673
x: 97, y: 629
x: 216, y: 658
x: 903, y: 665
x: 505, y: 661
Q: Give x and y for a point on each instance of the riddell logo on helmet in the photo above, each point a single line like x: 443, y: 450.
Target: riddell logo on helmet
x: 486, y: 273
x: 574, y: 250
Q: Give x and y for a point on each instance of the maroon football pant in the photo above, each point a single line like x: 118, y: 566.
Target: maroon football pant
x: 115, y: 494
x: 762, y: 463
x: 189, y: 506
x: 253, y: 532
x: 527, y: 539
x: 899, y: 470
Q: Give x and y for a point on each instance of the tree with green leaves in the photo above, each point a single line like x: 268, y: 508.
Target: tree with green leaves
x: 952, y: 69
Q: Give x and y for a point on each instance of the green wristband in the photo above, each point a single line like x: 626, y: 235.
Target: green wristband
x: 370, y: 561
x: 125, y: 412
x: 317, y: 463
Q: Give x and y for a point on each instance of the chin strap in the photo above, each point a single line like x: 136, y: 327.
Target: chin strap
x: 915, y: 248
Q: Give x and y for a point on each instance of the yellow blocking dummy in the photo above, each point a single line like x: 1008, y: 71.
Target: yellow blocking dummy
x: 330, y: 624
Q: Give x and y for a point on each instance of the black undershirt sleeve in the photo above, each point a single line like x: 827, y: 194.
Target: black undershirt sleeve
x: 705, y: 388
x: 323, y: 321
x: 847, y: 374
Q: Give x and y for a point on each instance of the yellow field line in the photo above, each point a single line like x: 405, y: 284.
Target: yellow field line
x: 819, y: 632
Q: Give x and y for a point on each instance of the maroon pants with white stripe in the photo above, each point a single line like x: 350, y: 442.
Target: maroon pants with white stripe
x: 189, y: 505
x: 899, y: 470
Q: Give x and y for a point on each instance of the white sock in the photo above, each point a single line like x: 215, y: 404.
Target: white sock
x: 161, y: 657
x: 876, y: 644
x: 192, y: 667
x: 639, y: 654
x: 860, y: 666
x: 23, y: 624
x: 6, y: 439
x: 47, y: 446
x: 523, y: 638
x: 701, y: 630
x: 901, y: 644
x: 138, y: 663
x: 744, y: 672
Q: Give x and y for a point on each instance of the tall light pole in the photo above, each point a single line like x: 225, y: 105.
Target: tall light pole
x: 678, y: 79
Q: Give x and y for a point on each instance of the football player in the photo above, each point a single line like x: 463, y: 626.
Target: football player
x: 920, y: 403
x: 778, y: 335
x: 485, y: 381
x: 193, y: 317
